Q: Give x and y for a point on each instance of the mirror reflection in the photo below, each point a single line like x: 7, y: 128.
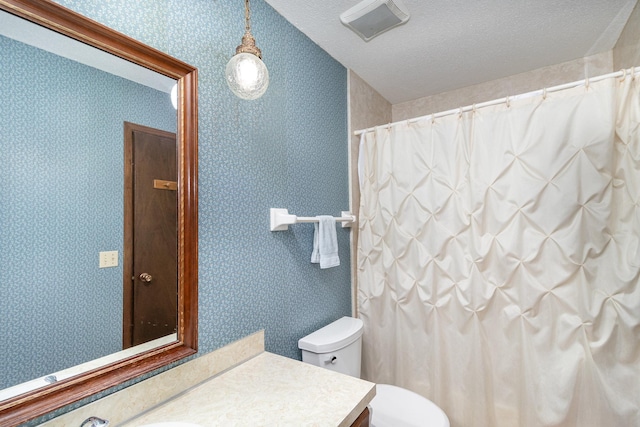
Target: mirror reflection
x: 76, y: 143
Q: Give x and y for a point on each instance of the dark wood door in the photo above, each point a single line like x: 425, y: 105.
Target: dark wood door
x: 151, y: 224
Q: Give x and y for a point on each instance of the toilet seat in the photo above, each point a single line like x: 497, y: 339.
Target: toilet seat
x: 398, y: 407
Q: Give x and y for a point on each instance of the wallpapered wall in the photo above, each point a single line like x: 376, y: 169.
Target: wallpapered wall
x: 287, y: 149
x: 61, y: 203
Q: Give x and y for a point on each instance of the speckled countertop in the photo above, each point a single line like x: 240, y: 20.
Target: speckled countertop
x: 268, y: 390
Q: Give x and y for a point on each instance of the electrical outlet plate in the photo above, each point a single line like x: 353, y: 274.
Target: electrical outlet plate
x: 108, y: 259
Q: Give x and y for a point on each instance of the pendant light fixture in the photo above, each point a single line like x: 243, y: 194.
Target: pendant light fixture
x: 246, y: 74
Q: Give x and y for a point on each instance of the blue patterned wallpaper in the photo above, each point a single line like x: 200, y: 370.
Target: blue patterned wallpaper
x: 61, y: 203
x: 287, y: 149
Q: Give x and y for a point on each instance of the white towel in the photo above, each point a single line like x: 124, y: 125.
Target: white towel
x: 325, y: 242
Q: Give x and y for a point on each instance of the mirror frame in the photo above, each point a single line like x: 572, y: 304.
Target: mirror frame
x: 36, y: 403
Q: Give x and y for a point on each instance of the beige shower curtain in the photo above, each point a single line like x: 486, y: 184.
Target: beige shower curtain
x: 499, y: 259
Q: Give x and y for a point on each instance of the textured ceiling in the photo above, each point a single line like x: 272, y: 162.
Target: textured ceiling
x: 447, y: 45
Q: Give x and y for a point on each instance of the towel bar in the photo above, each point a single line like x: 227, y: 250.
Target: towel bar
x: 281, y: 219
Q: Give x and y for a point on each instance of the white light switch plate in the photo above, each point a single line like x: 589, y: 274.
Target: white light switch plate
x: 108, y: 259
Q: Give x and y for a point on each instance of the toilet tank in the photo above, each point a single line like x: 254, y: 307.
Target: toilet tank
x: 337, y: 346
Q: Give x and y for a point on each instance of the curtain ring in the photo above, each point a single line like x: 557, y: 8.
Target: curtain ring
x: 460, y: 113
x: 544, y: 93
x: 624, y: 74
x: 433, y: 119
x: 473, y: 108
x: 508, y: 102
x: 586, y: 83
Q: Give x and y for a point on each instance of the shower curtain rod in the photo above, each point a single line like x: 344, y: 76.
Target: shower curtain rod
x: 630, y: 71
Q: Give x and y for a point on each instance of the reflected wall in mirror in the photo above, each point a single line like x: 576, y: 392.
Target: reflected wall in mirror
x: 63, y: 203
x: 62, y: 198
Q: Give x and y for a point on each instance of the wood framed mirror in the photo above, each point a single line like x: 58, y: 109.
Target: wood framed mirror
x: 32, y: 404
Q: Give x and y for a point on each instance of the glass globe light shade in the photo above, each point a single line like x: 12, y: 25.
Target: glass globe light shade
x: 247, y: 76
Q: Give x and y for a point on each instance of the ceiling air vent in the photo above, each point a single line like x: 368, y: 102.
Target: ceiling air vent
x: 372, y: 17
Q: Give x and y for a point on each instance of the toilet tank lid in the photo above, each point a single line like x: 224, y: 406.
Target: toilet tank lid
x: 332, y: 337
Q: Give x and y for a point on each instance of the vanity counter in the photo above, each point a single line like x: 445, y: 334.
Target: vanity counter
x: 267, y: 390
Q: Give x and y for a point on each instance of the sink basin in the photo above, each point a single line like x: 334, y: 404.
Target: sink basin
x: 171, y: 424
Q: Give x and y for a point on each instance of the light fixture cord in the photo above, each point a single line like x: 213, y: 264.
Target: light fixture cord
x: 247, y: 17
x: 248, y: 44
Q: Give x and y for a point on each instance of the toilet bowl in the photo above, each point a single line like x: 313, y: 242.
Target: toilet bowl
x: 338, y: 347
x: 395, y: 406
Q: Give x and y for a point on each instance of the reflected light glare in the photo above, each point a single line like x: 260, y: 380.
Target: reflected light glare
x: 174, y: 96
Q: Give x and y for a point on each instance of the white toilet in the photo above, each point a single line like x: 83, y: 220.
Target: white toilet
x: 338, y: 346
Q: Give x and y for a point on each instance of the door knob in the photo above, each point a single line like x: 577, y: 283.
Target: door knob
x: 146, y: 277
